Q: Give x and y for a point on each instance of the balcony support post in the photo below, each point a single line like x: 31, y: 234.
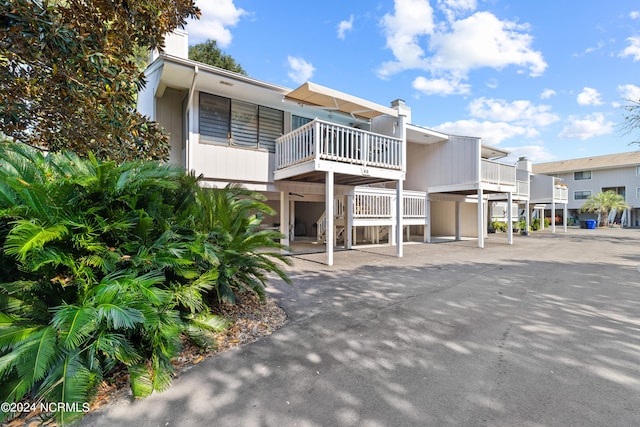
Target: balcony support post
x: 527, y: 216
x: 564, y: 217
x: 458, y: 220
x: 399, y: 215
x: 330, y: 216
x: 427, y: 219
x: 480, y: 219
x: 509, y: 218
x: 284, y: 218
x: 553, y: 216
x: 348, y: 221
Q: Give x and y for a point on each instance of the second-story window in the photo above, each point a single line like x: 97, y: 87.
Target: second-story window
x: 581, y: 195
x: 242, y: 124
x: 579, y: 176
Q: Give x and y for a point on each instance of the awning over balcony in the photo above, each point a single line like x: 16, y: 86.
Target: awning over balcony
x: 330, y: 99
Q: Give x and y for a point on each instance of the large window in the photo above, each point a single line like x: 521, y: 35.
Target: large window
x: 298, y: 121
x: 238, y: 123
x: 579, y: 176
x: 581, y: 195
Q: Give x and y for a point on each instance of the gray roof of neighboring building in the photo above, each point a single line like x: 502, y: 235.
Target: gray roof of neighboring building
x: 610, y: 161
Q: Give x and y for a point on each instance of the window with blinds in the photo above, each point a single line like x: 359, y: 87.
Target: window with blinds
x: 244, y: 124
x: 238, y: 123
x: 271, y: 123
x: 214, y: 118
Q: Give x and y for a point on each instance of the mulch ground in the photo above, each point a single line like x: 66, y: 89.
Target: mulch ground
x: 250, y: 320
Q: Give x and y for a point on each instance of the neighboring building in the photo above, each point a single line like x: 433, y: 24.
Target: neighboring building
x: 590, y: 175
x: 334, y: 166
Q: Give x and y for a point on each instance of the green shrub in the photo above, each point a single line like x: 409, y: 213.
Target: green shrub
x: 499, y: 226
x: 105, y: 264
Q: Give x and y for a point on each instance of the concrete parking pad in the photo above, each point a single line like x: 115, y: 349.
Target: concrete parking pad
x: 543, y: 332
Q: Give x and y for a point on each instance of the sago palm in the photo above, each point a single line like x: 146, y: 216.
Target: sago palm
x: 247, y: 254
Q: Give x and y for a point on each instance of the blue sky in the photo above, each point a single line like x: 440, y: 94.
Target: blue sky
x: 546, y: 79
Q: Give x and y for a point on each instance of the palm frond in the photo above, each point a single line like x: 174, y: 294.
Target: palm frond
x: 117, y: 317
x: 69, y: 381
x: 74, y: 323
x: 37, y: 354
x: 140, y: 380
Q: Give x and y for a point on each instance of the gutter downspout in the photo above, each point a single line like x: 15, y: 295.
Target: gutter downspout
x: 191, y: 124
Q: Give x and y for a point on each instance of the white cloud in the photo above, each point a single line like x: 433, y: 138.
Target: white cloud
x: 492, y: 133
x: 214, y: 22
x: 589, y: 96
x: 412, y: 18
x: 585, y: 127
x: 457, y: 47
x: 634, y: 14
x: 492, y: 83
x: 521, y: 112
x: 454, y: 8
x: 482, y: 40
x: 300, y: 70
x: 629, y: 92
x: 535, y: 153
x: 345, y: 26
x: 440, y: 86
x: 633, y: 49
x: 547, y: 93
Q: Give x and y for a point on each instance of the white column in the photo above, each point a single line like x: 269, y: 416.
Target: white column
x: 553, y: 216
x: 509, y: 218
x: 458, y: 220
x: 527, y: 216
x: 541, y: 212
x: 564, y: 217
x: 394, y: 222
x: 348, y: 225
x: 399, y: 215
x: 328, y: 207
x: 480, y: 220
x: 427, y: 219
x: 284, y: 217
x: 292, y: 220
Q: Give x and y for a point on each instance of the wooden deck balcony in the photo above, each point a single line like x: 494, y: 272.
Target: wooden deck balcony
x: 522, y: 190
x: 548, y: 189
x: 497, y: 173
x: 357, y: 156
x: 560, y: 193
x: 377, y: 207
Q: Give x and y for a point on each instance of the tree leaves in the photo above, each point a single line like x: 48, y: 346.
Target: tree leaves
x: 209, y: 53
x: 69, y: 78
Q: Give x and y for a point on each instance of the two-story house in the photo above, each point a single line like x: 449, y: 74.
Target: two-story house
x: 334, y: 166
x: 590, y: 175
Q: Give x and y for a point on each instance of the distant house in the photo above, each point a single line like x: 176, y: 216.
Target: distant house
x: 590, y: 175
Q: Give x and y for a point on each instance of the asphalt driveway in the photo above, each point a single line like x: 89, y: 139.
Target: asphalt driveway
x: 544, y: 332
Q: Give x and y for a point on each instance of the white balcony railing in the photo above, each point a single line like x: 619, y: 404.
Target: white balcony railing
x: 413, y: 205
x: 377, y: 203
x: 560, y: 194
x: 522, y: 188
x: 328, y: 141
x: 498, y: 173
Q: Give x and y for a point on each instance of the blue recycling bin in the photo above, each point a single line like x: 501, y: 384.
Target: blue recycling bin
x: 591, y: 224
